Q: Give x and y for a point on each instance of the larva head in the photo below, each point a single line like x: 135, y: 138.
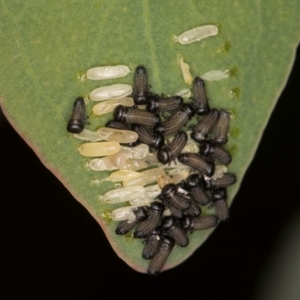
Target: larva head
x: 198, y: 82
x: 186, y: 223
x: 152, y: 105
x: 188, y: 109
x: 178, y: 100
x: 168, y: 222
x: 75, y: 126
x: 119, y: 112
x: 157, y: 206
x: 194, y: 180
x: 163, y: 156
x: 159, y: 128
x: 168, y: 189
x: 219, y: 194
x: 140, y: 70
x: 206, y: 149
x: 158, y: 141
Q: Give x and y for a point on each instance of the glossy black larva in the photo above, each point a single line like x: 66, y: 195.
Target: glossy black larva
x: 153, y: 140
x: 221, y: 129
x: 151, y: 242
x: 172, y: 228
x: 161, y: 255
x: 226, y: 180
x: 78, y: 118
x: 133, y: 115
x: 199, y: 223
x: 197, y: 162
x: 169, y: 193
x: 199, y: 97
x: 194, y: 210
x: 141, y: 88
x: 171, y: 151
x: 214, y: 152
x: 176, y: 121
x: 169, y: 104
x: 195, y: 185
x: 219, y: 197
x: 140, y: 214
x: 153, y: 220
x: 205, y: 126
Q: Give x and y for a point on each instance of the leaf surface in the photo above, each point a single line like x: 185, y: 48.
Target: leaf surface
x: 46, y: 43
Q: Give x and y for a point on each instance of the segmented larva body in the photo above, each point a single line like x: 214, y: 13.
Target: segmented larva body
x: 154, y: 218
x: 176, y: 122
x: 107, y: 72
x: 169, y: 104
x: 221, y: 130
x: 151, y: 242
x: 214, y: 152
x: 133, y: 115
x: 141, y: 87
x: 161, y: 256
x: 200, y: 98
x: 197, y: 162
x: 155, y: 140
x: 205, y: 126
x: 78, y: 118
x: 170, y: 152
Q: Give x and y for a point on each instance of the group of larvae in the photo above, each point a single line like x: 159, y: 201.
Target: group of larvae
x: 165, y: 208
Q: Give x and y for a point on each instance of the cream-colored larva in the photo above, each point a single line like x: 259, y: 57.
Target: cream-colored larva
x: 88, y: 135
x: 121, y: 175
x: 147, y: 161
x: 173, y: 177
x: 124, y: 213
x: 185, y: 70
x: 123, y: 194
x: 99, y: 149
x: 215, y: 75
x: 138, y: 152
x: 107, y: 72
x: 197, y: 34
x: 147, y: 177
x: 151, y: 192
x: 111, y: 92
x: 117, y: 135
x: 108, y: 106
x: 109, y: 163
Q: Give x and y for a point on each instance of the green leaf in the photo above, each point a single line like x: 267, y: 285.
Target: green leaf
x: 48, y: 42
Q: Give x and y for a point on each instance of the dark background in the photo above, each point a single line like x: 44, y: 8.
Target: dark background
x: 51, y: 242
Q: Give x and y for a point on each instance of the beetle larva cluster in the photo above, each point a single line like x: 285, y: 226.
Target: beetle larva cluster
x: 166, y: 174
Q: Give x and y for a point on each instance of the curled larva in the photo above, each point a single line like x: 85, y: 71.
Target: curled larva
x: 107, y: 72
x: 197, y: 34
x: 108, y: 106
x: 110, y: 92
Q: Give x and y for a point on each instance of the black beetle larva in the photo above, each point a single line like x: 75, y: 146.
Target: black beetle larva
x: 221, y: 129
x: 203, y: 222
x: 155, y: 140
x: 133, y: 115
x: 78, y: 118
x: 197, y: 162
x: 170, y: 152
x: 176, y: 122
x: 215, y: 152
x: 140, y: 214
x: 194, y: 184
x: 169, y: 104
x: 194, y: 210
x: 205, y: 126
x: 172, y: 229
x: 161, y: 256
x: 199, y: 97
x: 151, y: 242
x: 140, y: 90
x: 154, y: 218
x: 223, y: 182
x: 219, y: 199
x: 169, y: 193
